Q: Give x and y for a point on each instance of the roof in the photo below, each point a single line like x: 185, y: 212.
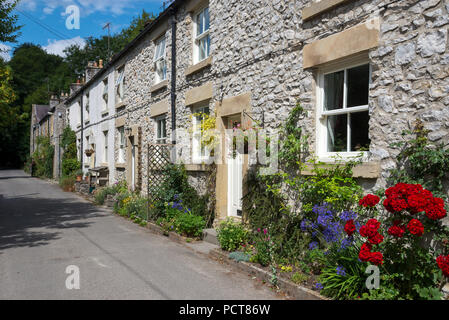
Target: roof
x: 129, y: 46
x: 41, y: 111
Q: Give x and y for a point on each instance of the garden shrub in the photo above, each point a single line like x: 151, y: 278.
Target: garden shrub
x: 67, y: 183
x: 239, y: 256
x: 70, y: 164
x: 43, y: 158
x: 299, y: 277
x: 176, y: 185
x: 231, y: 234
x: 189, y: 224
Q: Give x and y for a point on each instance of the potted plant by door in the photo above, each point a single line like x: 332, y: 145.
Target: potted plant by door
x: 79, y: 175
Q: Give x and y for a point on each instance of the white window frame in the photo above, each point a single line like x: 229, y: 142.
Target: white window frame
x: 120, y: 84
x: 159, y: 59
x: 105, y: 94
x: 200, y: 37
x: 321, y: 114
x: 159, y: 120
x: 106, y: 146
x: 197, y: 150
x: 121, y: 144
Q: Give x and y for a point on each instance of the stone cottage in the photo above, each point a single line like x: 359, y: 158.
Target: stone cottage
x: 363, y: 70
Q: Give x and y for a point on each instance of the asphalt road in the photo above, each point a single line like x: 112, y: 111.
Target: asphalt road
x: 43, y: 230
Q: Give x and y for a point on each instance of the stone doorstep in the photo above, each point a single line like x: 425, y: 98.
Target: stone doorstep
x: 210, y: 235
x: 296, y: 291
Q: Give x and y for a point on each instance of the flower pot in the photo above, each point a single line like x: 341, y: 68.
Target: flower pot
x: 79, y: 178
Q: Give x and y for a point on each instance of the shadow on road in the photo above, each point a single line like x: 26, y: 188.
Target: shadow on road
x: 31, y: 221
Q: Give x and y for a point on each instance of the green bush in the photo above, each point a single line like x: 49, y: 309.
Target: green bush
x: 189, y: 225
x: 43, y: 158
x: 67, y: 183
x: 299, y: 277
x: 70, y: 163
x: 231, y: 234
x: 70, y: 166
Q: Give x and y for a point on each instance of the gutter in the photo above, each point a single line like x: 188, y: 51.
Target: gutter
x: 173, y: 82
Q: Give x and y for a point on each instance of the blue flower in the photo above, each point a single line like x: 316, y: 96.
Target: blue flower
x: 348, y: 215
x: 341, y: 271
x: 319, y: 286
x: 346, y: 242
x: 313, y: 245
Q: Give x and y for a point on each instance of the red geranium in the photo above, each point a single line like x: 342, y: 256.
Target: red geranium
x: 397, y: 231
x: 415, y: 227
x: 443, y: 264
x: 376, y: 239
x: 369, y: 200
x: 435, y: 209
x: 370, y: 228
x: 350, y: 227
x: 365, y: 254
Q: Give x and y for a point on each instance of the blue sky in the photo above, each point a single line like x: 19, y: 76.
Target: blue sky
x: 44, y: 21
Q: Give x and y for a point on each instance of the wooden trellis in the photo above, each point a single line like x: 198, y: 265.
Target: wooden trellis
x: 158, y: 156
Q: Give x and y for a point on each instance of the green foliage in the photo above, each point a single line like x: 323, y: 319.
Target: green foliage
x: 420, y: 162
x: 43, y: 158
x: 176, y: 185
x: 189, y: 224
x: 231, y: 235
x: 299, y: 277
x: 8, y: 21
x: 343, y: 286
x: 67, y: 183
x: 70, y: 163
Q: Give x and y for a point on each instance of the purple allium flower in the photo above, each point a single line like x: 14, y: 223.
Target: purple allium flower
x: 313, y: 245
x: 341, y: 271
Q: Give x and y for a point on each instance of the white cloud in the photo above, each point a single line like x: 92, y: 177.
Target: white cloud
x: 5, y: 52
x: 57, y: 46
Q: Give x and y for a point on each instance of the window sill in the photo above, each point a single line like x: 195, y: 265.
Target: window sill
x: 120, y: 105
x: 120, y: 165
x: 369, y: 170
x: 104, y: 113
x: 197, y: 167
x: 86, y: 122
x: 78, y: 126
x: 104, y: 164
x: 199, y: 66
x: 320, y: 7
x: 161, y: 85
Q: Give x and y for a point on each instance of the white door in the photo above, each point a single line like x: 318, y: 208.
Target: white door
x: 235, y: 178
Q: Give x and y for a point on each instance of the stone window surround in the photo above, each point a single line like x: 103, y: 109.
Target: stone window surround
x: 199, y: 94
x: 320, y: 7
x: 163, y: 57
x: 195, y: 49
x: 320, y: 129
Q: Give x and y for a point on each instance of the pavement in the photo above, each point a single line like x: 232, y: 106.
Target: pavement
x: 48, y: 235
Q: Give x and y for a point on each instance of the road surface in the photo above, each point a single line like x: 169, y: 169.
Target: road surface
x: 45, y: 233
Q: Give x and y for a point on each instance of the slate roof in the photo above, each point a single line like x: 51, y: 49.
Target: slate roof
x: 41, y: 111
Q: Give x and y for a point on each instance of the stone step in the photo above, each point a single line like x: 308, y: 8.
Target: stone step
x: 210, y: 235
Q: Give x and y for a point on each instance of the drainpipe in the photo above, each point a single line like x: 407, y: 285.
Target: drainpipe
x: 173, y: 82
x: 82, y: 131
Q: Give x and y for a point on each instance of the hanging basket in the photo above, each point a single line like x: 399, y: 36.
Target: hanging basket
x: 89, y: 152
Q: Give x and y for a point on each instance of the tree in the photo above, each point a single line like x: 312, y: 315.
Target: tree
x: 8, y: 21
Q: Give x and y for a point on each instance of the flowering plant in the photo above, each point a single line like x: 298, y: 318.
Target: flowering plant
x: 409, y: 217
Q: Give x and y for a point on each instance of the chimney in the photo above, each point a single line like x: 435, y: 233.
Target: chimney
x: 91, y: 70
x: 54, y: 100
x: 74, y: 87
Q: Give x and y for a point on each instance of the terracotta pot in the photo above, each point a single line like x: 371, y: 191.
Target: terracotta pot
x: 79, y: 178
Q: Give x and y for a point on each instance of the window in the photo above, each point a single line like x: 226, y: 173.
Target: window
x: 202, y: 37
x: 343, y: 111
x: 161, y: 124
x: 105, y: 156
x: 199, y: 152
x: 160, y: 64
x: 121, y: 143
x: 105, y: 94
x: 86, y: 158
x: 120, y: 84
